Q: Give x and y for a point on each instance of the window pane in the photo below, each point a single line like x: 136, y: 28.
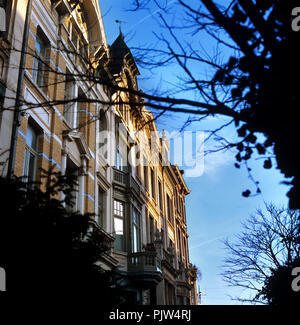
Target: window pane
x: 119, y: 233
x: 38, y: 45
x: 31, y: 166
x: 31, y: 138
x: 134, y: 217
x: 35, y: 68
x: 118, y: 208
x: 135, y: 240
x: 101, y: 203
x: 118, y: 226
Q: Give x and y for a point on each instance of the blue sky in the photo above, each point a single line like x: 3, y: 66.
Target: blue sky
x: 215, y: 207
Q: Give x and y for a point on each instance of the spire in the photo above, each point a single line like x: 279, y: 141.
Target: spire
x: 120, y: 29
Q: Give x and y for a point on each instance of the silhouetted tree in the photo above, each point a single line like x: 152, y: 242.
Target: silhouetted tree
x: 248, y: 79
x: 251, y: 86
x: 49, y: 251
x: 277, y: 288
x: 263, y: 255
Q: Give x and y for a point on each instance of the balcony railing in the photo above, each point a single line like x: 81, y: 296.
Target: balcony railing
x: 168, y: 257
x: 144, y: 262
x: 120, y: 177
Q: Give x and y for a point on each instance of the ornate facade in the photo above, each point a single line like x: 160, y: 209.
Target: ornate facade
x: 73, y: 119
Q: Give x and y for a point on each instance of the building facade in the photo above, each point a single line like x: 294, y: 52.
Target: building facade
x: 65, y: 111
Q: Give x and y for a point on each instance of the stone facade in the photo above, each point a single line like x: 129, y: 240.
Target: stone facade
x: 72, y: 121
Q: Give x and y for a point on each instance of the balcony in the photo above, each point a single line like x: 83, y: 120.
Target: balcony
x: 120, y: 177
x: 169, y: 261
x: 144, y: 268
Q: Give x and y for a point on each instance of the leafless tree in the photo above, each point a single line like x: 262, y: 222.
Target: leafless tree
x: 269, y: 240
x: 247, y: 78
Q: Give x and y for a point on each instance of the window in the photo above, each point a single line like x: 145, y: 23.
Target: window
x: 71, y: 105
x: 31, y: 154
x: 83, y: 49
x: 153, y: 227
x: 72, y: 173
x: 120, y: 158
x: 169, y: 293
x: 6, y: 14
x: 179, y: 243
x: 137, y: 161
x: 101, y: 207
x: 39, y: 61
x: 151, y: 221
x: 121, y: 148
x: 184, y: 247
x: 169, y: 209
x: 136, y: 237
x: 183, y: 212
x: 176, y: 201
x: 160, y: 195
x: 119, y: 225
x: 145, y: 174
x: 77, y: 39
x: 103, y: 136
x: 153, y: 190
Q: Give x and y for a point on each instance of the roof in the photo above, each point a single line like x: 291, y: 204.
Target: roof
x: 119, y: 53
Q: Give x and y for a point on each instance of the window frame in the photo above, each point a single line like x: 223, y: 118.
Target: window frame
x: 101, y: 207
x: 169, y: 209
x: 31, y: 151
x: 39, y: 60
x: 71, y: 108
x: 136, y: 230
x: 120, y: 215
x: 153, y: 183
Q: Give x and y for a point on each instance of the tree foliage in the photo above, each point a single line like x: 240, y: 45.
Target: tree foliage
x: 49, y: 251
x: 277, y: 288
x: 263, y: 255
x: 249, y: 78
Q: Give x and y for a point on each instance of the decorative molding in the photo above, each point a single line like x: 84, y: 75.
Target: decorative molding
x: 103, y: 182
x: 80, y: 141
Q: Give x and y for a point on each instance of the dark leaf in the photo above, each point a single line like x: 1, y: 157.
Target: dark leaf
x: 238, y: 157
x: 240, y: 146
x: 246, y: 193
x: 242, y: 130
x: 268, y: 163
x: 261, y: 149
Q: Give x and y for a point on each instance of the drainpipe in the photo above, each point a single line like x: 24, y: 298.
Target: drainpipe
x: 18, y: 105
